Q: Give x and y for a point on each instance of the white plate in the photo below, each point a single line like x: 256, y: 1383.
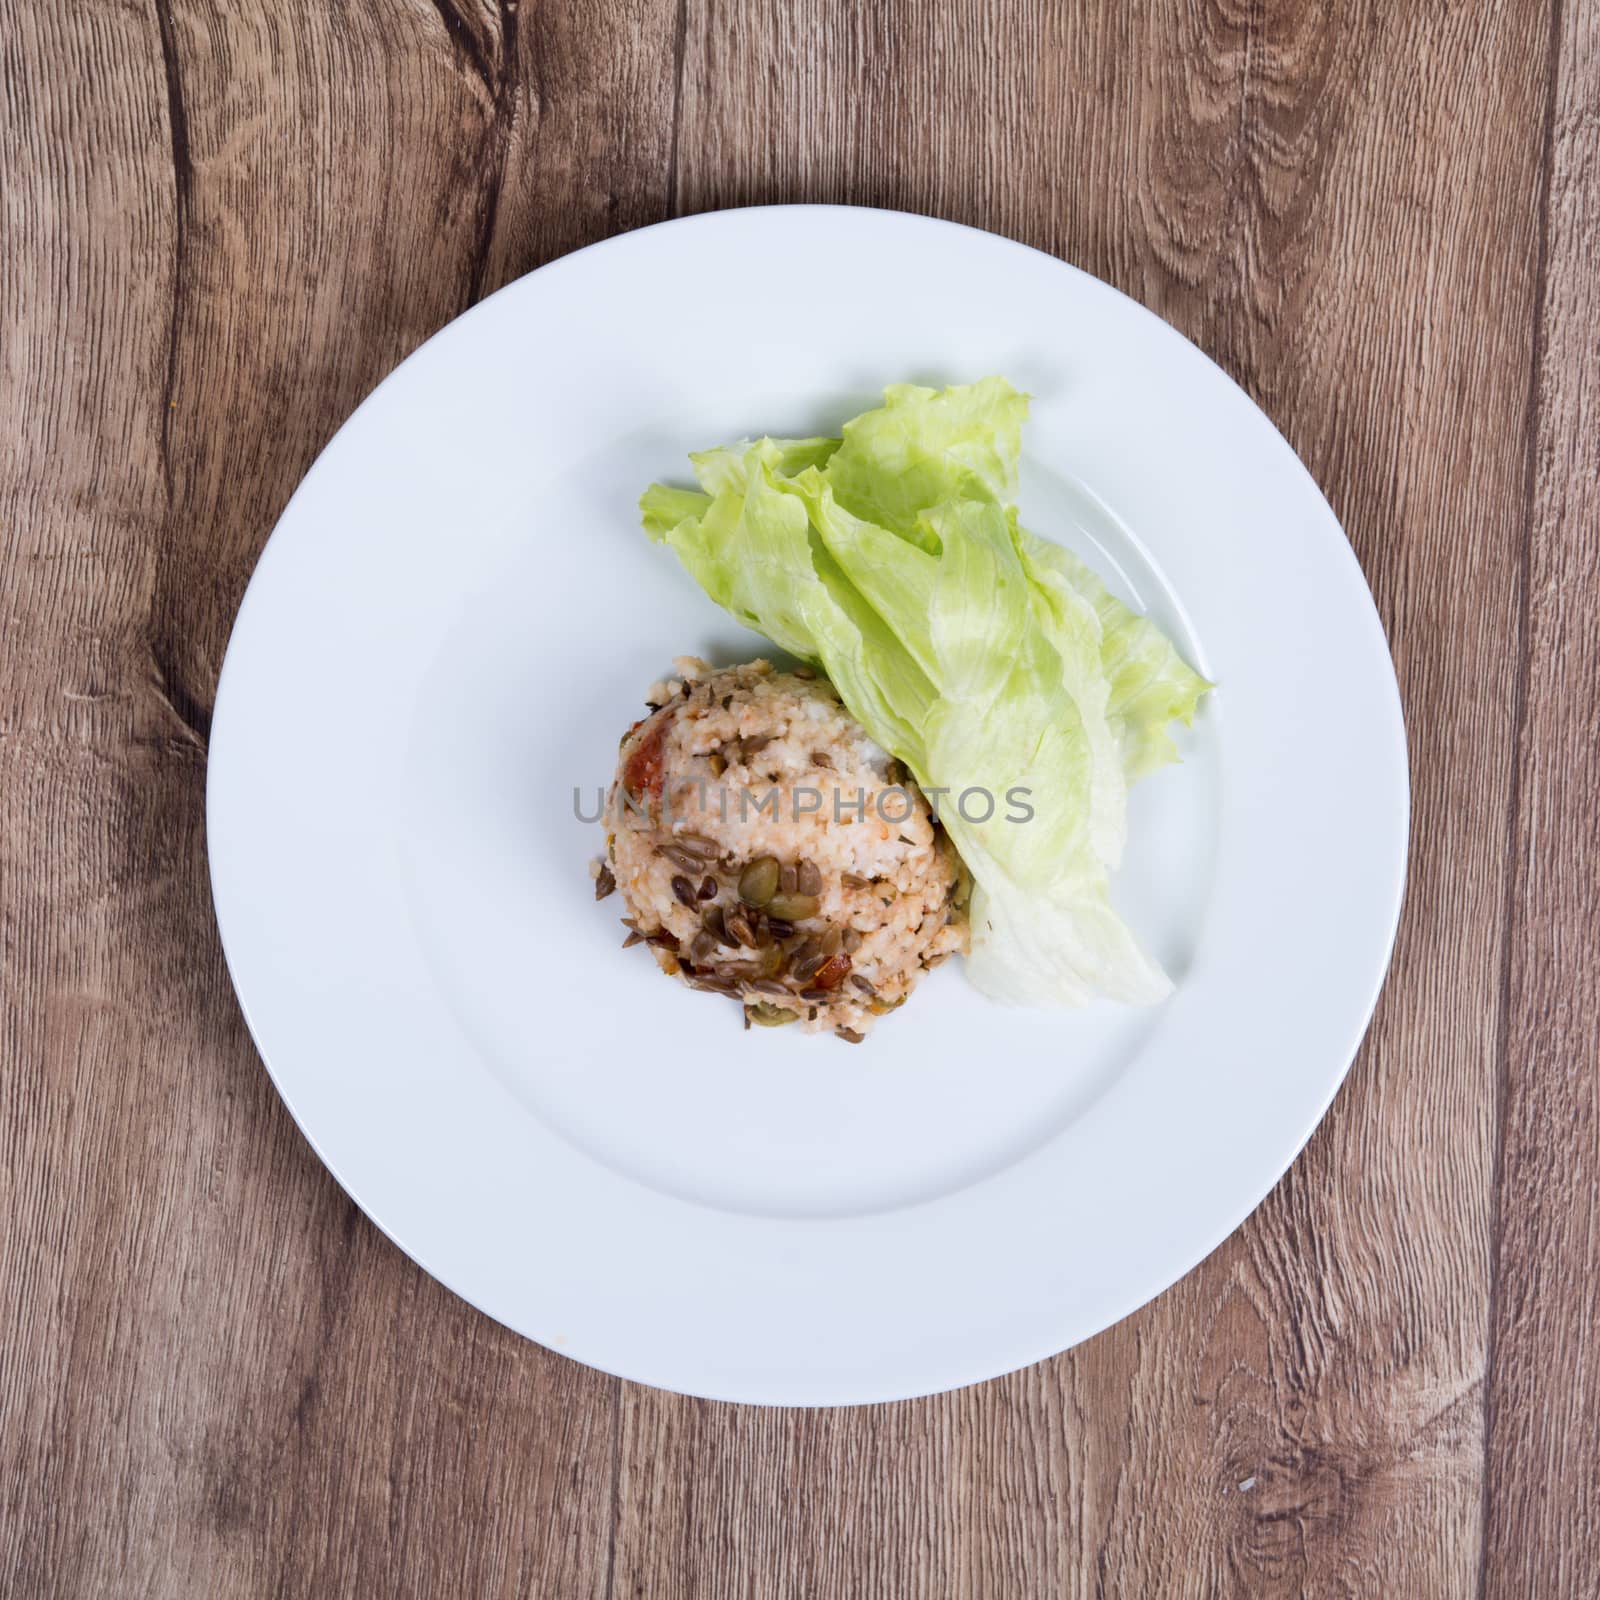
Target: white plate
x: 458, y: 615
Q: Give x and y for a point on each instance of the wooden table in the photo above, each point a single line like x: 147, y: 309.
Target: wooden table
x: 223, y: 223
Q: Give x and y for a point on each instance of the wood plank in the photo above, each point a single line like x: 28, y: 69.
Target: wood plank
x: 1543, y: 1488
x: 1292, y: 191
x: 224, y: 225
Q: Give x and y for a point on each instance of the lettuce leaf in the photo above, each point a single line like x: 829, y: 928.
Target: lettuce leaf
x: 987, y: 660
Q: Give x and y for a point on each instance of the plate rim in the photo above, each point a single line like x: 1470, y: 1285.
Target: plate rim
x: 1395, y: 736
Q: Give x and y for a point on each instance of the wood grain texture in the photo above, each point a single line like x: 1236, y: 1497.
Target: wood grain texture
x: 1284, y: 188
x: 1542, y: 1487
x: 223, y: 224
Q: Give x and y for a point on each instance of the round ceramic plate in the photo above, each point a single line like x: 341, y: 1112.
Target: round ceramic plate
x: 458, y: 615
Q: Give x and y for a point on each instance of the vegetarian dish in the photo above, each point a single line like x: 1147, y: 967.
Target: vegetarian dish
x: 985, y: 675
x: 769, y: 851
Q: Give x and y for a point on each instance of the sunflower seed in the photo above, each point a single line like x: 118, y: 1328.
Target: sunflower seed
x: 807, y: 673
x: 805, y: 961
x: 849, y: 1035
x: 808, y: 880
x: 604, y: 882
x: 701, y: 948
x: 710, y: 985
x: 681, y: 858
x: 778, y: 928
x: 851, y: 940
x: 865, y: 985
x: 768, y: 986
x: 717, y: 762
x: 854, y: 880
x: 831, y: 940
x: 821, y: 758
x: 711, y: 921
x: 789, y: 878
x: 701, y: 848
x: 634, y: 937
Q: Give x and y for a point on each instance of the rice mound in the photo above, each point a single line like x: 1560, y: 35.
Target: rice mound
x: 769, y: 851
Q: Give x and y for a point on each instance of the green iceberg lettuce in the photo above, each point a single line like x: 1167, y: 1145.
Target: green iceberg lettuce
x: 981, y: 656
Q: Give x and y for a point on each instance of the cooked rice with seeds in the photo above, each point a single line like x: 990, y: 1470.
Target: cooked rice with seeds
x: 761, y: 785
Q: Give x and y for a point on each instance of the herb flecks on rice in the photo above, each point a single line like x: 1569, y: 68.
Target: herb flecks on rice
x: 748, y: 842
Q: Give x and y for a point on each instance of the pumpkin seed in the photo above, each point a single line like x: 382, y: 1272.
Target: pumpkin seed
x: 792, y: 907
x: 765, y: 1016
x: 759, y: 881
